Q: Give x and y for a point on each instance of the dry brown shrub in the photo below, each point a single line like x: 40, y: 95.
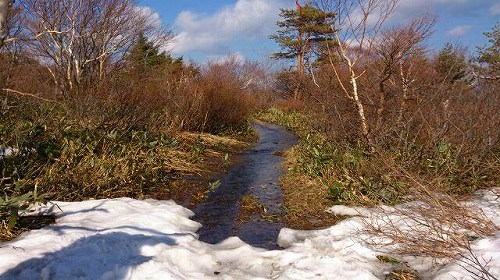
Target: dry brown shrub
x: 435, y: 225
x: 214, y: 101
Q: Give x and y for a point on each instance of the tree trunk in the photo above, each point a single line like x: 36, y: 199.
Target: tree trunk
x: 102, y: 67
x: 4, y: 8
x: 365, y: 130
x: 381, y: 102
x: 300, y: 67
x: 404, y: 99
x: 353, y: 93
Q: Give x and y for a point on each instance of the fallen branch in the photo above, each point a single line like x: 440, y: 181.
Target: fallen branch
x: 28, y: 94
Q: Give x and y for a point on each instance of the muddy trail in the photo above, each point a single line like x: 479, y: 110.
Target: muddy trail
x: 254, y: 178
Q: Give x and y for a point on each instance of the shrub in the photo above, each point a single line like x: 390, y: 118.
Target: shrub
x: 119, y: 138
x: 215, y: 101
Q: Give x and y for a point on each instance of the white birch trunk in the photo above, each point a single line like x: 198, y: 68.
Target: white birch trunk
x: 361, y: 110
x: 404, y: 81
x: 365, y: 130
x: 4, y: 8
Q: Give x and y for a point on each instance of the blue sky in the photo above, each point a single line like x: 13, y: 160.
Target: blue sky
x: 214, y: 29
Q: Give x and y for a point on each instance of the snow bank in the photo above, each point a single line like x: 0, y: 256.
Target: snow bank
x: 487, y: 249
x: 126, y: 239
x: 130, y: 239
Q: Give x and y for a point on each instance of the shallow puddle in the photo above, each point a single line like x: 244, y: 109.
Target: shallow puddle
x: 257, y: 173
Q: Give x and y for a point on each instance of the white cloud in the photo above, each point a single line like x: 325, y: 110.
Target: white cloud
x: 495, y: 9
x: 244, y: 20
x: 236, y: 57
x: 156, y: 31
x: 458, y: 31
x: 152, y: 16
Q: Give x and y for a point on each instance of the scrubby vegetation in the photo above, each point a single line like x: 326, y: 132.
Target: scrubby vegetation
x: 408, y: 116
x: 122, y: 140
x: 133, y: 125
x: 381, y: 119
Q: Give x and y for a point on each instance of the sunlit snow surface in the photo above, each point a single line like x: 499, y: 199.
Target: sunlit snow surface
x: 130, y: 239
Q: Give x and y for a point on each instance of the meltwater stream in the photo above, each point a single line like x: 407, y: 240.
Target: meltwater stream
x: 257, y: 173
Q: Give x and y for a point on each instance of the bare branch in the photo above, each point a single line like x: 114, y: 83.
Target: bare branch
x: 82, y: 41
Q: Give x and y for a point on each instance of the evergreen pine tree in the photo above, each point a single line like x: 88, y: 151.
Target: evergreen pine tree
x: 303, y: 34
x: 145, y: 55
x: 450, y: 63
x: 489, y: 56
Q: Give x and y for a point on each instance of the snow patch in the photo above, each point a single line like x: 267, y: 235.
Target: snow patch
x: 131, y: 239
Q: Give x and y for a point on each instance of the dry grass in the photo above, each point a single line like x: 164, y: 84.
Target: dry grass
x: 180, y: 172
x: 210, y: 153
x: 402, y: 275
x: 7, y: 235
x: 250, y: 206
x: 123, y: 136
x: 305, y: 198
x: 322, y: 172
x: 218, y: 143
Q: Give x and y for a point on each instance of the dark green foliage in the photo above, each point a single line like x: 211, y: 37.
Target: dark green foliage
x: 450, y: 63
x: 303, y: 31
x: 146, y: 54
x: 489, y: 55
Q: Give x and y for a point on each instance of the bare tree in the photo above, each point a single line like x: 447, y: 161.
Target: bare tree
x: 356, y: 28
x: 78, y: 39
x: 395, y: 49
